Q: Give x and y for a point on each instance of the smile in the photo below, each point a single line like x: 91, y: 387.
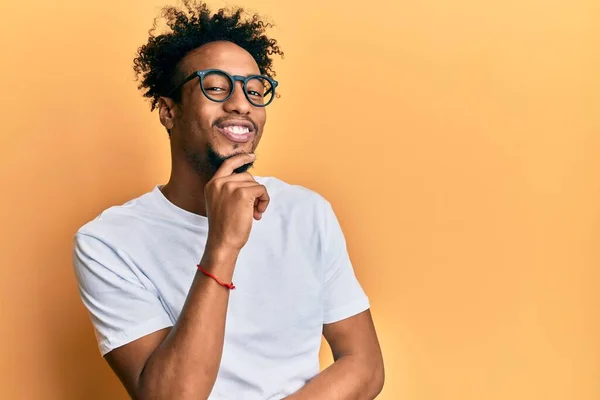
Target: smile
x: 238, y: 131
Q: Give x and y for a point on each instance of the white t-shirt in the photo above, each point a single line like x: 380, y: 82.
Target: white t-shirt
x: 135, y: 264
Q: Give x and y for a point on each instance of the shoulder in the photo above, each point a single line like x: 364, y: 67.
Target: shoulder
x: 287, y: 195
x: 118, y: 223
x: 299, y: 209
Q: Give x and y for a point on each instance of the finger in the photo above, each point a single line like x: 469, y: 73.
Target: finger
x: 232, y: 186
x: 229, y: 165
x: 241, y: 177
x: 261, y: 197
x: 257, y: 214
x: 261, y: 202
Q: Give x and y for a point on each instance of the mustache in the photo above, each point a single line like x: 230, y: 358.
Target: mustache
x: 221, y: 120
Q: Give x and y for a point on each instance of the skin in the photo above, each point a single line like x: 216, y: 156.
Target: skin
x: 191, y: 122
x: 182, y: 362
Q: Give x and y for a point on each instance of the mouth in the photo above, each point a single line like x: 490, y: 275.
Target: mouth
x: 237, y: 130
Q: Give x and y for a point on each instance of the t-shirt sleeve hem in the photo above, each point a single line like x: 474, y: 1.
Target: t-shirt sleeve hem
x: 347, y: 311
x: 127, y: 336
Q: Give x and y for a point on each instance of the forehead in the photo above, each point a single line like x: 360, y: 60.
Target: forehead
x: 223, y: 55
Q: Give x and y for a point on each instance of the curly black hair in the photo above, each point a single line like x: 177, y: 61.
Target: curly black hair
x: 189, y: 28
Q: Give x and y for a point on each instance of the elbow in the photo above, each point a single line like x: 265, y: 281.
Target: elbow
x: 376, y: 379
x: 369, y: 377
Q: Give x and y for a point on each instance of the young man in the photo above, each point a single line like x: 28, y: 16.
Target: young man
x: 219, y: 284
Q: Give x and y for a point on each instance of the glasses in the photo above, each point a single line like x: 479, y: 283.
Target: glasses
x: 218, y: 86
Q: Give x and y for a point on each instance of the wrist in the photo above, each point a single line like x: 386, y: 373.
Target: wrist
x: 218, y: 255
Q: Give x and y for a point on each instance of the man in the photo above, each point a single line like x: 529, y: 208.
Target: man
x: 219, y: 284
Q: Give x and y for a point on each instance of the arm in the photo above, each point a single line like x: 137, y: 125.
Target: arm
x: 182, y: 362
x: 357, y: 372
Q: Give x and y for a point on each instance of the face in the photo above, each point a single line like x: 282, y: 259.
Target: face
x: 204, y: 133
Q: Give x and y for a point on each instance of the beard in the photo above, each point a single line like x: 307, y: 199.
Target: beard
x: 208, y: 164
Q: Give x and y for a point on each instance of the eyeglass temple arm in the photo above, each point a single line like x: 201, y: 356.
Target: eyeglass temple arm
x: 275, y: 83
x: 189, y: 78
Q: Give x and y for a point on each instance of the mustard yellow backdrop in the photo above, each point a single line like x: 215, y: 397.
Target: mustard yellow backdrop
x: 457, y: 140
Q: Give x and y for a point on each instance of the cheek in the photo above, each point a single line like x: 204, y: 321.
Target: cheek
x: 260, y: 117
x: 204, y: 115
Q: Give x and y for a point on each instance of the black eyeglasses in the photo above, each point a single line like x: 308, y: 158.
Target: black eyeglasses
x: 218, y: 86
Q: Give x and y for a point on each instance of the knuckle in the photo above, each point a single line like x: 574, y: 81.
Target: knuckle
x: 264, y: 190
x: 214, y: 184
x: 240, y: 193
x: 229, y: 187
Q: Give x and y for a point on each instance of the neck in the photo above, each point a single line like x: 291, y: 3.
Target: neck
x: 185, y: 189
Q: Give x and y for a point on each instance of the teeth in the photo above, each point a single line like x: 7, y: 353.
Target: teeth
x: 237, y: 130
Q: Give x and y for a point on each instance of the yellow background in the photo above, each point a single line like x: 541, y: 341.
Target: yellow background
x: 457, y: 140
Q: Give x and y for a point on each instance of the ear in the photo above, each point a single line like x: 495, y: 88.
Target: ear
x: 167, y: 111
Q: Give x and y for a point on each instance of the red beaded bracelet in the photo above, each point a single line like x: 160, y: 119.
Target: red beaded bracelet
x: 230, y: 286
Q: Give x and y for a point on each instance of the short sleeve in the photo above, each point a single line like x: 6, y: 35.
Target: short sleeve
x: 120, y: 307
x: 344, y: 296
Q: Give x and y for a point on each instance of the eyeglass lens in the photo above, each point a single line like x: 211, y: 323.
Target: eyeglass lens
x: 217, y: 87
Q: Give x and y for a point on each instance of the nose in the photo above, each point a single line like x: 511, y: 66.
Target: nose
x: 238, y: 103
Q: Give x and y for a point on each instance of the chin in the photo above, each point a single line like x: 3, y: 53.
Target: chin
x: 230, y: 150
x: 225, y: 154
x: 217, y: 155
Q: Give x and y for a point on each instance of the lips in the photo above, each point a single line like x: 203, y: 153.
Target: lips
x: 236, y: 130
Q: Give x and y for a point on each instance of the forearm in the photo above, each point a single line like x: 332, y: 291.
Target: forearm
x: 185, y: 365
x: 348, y: 378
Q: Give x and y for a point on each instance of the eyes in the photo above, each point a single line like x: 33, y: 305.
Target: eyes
x: 254, y: 93
x: 218, y: 86
x: 225, y: 90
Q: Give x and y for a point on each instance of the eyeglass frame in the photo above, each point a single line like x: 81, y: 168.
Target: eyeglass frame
x: 233, y: 78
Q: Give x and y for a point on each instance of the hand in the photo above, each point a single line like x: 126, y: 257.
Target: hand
x: 232, y: 200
